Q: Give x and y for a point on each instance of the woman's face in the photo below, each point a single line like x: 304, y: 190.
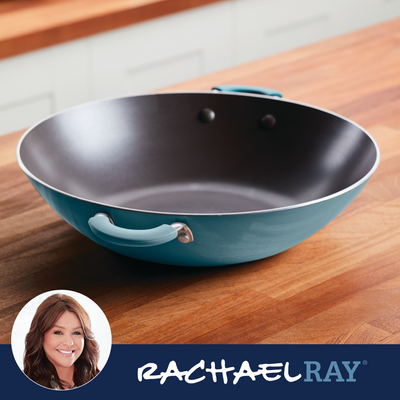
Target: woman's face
x: 64, y: 342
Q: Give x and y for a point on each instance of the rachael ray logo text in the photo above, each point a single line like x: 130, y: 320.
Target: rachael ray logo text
x: 311, y: 371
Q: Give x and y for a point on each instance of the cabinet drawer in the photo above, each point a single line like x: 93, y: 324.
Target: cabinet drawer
x: 265, y: 27
x: 37, y: 84
x: 162, y: 52
x: 25, y: 112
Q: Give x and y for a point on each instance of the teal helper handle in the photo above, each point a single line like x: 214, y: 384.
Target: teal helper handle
x: 103, y: 227
x: 248, y: 89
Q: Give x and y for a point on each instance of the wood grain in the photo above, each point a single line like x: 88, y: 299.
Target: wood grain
x: 28, y: 25
x: 342, y: 285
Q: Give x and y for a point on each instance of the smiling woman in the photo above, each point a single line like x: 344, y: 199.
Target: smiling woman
x: 60, y: 350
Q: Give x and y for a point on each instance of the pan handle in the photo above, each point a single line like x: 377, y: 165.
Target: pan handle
x: 247, y: 89
x: 103, y: 227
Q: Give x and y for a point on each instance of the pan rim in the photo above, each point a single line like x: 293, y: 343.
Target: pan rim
x: 363, y: 180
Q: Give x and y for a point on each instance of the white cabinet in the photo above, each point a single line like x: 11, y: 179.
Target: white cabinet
x: 161, y: 52
x: 389, y: 9
x: 265, y: 27
x: 39, y: 83
x: 356, y: 14
x: 26, y: 90
x: 171, y: 49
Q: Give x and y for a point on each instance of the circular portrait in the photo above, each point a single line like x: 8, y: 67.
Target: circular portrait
x: 61, y: 340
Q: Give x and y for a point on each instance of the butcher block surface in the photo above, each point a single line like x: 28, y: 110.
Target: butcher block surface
x: 342, y: 285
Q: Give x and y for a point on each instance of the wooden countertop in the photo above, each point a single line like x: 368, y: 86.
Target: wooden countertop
x: 27, y: 25
x: 342, y: 285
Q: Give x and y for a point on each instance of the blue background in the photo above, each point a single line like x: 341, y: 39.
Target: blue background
x: 376, y: 377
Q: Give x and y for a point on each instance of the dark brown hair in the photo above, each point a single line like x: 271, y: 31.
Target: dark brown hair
x: 36, y: 364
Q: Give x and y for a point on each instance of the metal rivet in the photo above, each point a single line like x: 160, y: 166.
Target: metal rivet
x: 183, y: 238
x: 268, y: 121
x: 184, y: 234
x: 105, y: 215
x: 207, y: 115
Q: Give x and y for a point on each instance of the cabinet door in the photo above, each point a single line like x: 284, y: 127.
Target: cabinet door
x: 162, y: 52
x: 26, y: 91
x: 266, y: 27
x: 37, y: 84
x: 389, y: 9
x: 349, y: 15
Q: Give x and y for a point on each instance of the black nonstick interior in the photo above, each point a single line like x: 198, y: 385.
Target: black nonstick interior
x: 198, y: 153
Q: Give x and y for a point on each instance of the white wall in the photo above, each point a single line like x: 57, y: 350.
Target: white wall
x: 171, y: 49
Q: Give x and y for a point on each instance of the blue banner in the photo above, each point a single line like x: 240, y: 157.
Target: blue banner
x: 228, y: 372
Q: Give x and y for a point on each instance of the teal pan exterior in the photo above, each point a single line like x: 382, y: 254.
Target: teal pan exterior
x: 218, y: 240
